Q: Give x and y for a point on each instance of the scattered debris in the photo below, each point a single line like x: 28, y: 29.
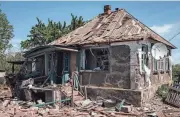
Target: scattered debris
x: 6, y: 102
x: 85, y: 108
x: 173, y: 96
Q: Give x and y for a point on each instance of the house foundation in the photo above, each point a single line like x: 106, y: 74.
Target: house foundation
x: 131, y: 96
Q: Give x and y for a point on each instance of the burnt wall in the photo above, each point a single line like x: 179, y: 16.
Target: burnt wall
x: 131, y: 96
x: 119, y: 70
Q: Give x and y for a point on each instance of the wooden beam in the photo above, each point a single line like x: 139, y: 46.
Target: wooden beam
x: 46, y: 63
x: 49, y: 49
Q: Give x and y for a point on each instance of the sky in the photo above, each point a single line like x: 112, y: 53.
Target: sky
x: 162, y: 17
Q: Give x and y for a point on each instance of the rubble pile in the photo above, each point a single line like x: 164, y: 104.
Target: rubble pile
x: 155, y: 104
x: 5, y: 91
x: 157, y: 108
x: 11, y: 107
x: 87, y: 108
x: 14, y: 108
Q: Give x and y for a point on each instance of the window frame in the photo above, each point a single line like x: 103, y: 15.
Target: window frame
x: 144, y: 57
x: 104, y: 59
x: 161, y: 65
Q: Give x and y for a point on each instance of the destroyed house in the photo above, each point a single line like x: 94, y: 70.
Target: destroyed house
x: 44, y: 71
x: 112, y: 54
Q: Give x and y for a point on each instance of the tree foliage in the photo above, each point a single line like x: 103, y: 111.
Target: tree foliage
x: 175, y: 71
x: 6, y: 34
x: 12, y: 57
x: 42, y: 34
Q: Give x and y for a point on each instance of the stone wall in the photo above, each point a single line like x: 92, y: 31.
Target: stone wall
x: 131, y: 96
x: 157, y: 79
x: 94, y: 78
x: 160, y: 77
x: 136, y: 78
x: 120, y: 66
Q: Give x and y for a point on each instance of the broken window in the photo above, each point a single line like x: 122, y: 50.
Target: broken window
x: 39, y: 64
x: 161, y: 65
x: 144, y: 56
x: 29, y: 67
x: 167, y: 64
x: 97, y: 59
x: 155, y: 65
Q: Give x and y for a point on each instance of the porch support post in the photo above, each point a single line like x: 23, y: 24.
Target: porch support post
x: 52, y: 69
x: 83, y: 56
x: 46, y: 63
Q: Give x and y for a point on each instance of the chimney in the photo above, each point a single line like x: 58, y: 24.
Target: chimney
x: 117, y: 9
x: 107, y: 9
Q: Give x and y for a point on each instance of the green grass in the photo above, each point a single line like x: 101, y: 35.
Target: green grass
x: 163, y: 91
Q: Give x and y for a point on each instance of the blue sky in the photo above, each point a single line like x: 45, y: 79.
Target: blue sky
x: 162, y: 17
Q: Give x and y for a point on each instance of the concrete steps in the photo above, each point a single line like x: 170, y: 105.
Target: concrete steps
x: 77, y: 97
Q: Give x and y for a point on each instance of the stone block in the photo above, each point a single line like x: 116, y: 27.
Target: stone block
x: 126, y: 109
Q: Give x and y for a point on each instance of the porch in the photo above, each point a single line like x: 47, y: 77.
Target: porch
x: 46, y: 71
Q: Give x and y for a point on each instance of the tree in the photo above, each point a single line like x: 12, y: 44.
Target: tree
x: 42, y: 34
x: 16, y: 56
x: 76, y: 22
x: 6, y: 34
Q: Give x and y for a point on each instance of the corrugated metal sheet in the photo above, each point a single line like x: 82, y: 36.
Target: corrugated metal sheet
x: 118, y: 26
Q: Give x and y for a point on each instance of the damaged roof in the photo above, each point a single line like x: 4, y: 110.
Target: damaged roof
x: 117, y: 26
x: 49, y: 48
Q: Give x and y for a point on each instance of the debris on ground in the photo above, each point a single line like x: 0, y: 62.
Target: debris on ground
x: 10, y: 107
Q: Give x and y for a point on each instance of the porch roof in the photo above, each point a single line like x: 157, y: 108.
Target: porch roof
x: 46, y: 48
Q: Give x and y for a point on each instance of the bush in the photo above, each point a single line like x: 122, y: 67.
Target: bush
x: 163, y: 91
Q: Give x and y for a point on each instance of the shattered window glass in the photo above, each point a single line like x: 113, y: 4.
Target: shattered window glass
x: 97, y: 59
x: 144, y: 56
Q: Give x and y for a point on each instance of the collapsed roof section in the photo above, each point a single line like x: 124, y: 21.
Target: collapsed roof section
x: 109, y: 27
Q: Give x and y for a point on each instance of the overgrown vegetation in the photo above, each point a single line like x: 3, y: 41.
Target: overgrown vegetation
x: 163, y: 91
x: 40, y: 34
x: 13, y: 57
x: 6, y: 34
x: 175, y: 72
